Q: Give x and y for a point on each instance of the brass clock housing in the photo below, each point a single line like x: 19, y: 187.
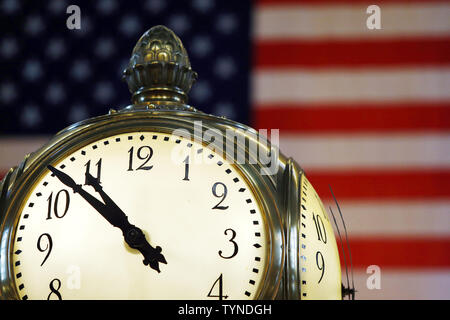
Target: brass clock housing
x: 94, y: 129
x: 159, y: 77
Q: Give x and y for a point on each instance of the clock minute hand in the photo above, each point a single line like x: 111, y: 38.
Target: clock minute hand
x: 115, y: 218
x: 133, y: 236
x: 110, y: 211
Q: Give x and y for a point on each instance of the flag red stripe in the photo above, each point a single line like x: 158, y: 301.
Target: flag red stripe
x: 352, y: 53
x: 394, y: 117
x: 396, y: 252
x: 405, y: 253
x: 341, y: 2
x: 381, y: 184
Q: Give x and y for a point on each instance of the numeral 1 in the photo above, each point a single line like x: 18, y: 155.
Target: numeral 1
x: 186, y: 169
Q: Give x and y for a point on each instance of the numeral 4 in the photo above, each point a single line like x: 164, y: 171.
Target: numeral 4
x: 219, y: 284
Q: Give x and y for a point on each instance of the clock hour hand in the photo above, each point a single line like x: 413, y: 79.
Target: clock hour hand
x: 133, y: 236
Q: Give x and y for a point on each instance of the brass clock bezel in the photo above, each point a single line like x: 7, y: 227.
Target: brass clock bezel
x: 128, y: 120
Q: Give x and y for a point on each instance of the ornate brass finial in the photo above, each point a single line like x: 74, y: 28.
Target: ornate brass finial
x: 159, y: 71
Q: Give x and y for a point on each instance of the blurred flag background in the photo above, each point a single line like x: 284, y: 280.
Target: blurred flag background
x: 365, y: 111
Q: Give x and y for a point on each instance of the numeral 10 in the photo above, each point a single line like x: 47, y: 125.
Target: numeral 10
x: 320, y: 228
x: 58, y: 214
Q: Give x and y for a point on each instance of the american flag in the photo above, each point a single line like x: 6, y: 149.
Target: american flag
x: 363, y: 110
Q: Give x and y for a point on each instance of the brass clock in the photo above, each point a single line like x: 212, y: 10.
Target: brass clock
x: 151, y: 202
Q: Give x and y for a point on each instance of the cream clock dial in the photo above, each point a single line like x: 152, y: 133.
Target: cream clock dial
x: 320, y: 272
x: 79, y: 230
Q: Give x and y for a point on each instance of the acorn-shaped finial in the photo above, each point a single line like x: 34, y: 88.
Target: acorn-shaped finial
x: 159, y: 71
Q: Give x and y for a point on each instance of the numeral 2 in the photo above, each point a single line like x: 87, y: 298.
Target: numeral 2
x: 223, y: 195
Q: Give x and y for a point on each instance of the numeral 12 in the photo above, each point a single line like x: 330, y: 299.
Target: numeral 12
x: 218, y: 282
x: 143, y: 153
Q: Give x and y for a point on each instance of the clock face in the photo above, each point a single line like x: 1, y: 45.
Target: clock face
x: 205, y: 233
x: 320, y: 270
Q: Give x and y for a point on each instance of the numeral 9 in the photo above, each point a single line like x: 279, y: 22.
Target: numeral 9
x: 320, y: 262
x: 47, y: 248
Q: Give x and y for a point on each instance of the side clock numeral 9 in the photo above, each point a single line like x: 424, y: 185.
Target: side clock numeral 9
x: 321, y: 236
x: 99, y: 169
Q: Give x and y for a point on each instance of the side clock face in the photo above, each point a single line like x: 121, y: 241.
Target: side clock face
x: 320, y: 269
x: 141, y: 215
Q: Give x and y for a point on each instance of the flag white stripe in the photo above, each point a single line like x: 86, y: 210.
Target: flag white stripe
x: 391, y: 219
x: 345, y: 151
x: 349, y: 21
x: 375, y: 85
x: 13, y: 149
x: 340, y: 151
x: 385, y: 86
x: 403, y: 284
